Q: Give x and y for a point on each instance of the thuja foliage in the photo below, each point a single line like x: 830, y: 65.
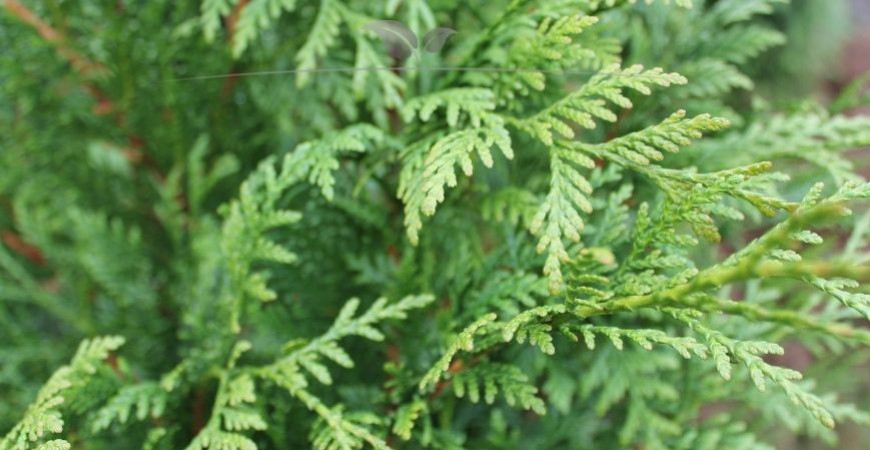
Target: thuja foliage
x: 573, y: 224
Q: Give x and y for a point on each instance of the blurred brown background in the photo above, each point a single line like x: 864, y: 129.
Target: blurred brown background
x: 851, y: 61
x: 855, y: 59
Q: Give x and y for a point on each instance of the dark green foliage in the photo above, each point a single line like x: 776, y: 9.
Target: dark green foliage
x: 628, y: 258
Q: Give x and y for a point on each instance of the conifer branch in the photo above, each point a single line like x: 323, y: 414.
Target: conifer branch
x: 655, y: 266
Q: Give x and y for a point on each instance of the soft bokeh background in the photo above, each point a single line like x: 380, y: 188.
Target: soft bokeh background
x: 831, y: 39
x: 856, y: 58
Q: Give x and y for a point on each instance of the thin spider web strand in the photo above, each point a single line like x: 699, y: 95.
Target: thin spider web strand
x: 396, y: 69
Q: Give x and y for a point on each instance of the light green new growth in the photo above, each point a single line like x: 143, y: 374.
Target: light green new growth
x: 428, y: 170
x: 568, y: 199
x: 591, y: 101
x: 464, y: 341
x: 43, y: 416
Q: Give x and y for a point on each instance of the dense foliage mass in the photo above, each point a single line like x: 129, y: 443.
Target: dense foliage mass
x: 525, y: 235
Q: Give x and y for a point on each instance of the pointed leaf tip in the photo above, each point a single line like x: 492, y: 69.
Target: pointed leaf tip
x: 398, y: 39
x: 435, y: 39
